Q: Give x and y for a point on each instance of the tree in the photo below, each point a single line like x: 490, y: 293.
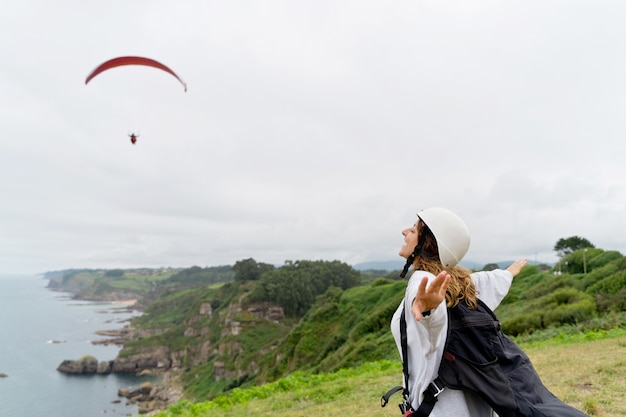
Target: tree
x: 490, y: 267
x: 295, y: 285
x: 250, y: 270
x: 569, y: 245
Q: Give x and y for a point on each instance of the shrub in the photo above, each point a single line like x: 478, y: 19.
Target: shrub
x: 523, y: 323
x: 610, y: 284
x: 615, y: 302
x: 570, y: 313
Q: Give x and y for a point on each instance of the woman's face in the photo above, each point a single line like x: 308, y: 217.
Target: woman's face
x: 410, y: 241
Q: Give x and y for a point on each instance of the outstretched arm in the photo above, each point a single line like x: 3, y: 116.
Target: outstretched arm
x: 517, y: 266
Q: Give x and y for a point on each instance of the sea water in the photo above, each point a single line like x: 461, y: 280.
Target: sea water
x: 40, y: 328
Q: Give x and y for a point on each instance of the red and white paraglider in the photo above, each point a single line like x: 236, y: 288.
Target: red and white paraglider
x: 132, y: 60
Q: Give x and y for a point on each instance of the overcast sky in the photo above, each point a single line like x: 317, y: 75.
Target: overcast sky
x: 310, y: 129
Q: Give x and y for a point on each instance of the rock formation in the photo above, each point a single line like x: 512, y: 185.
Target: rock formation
x: 149, y: 397
x: 85, y: 365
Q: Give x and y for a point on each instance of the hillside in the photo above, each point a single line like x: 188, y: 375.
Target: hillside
x: 143, y: 284
x: 251, y: 328
x: 595, y: 385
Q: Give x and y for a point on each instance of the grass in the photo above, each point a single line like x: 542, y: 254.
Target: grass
x: 587, y: 374
x: 590, y: 376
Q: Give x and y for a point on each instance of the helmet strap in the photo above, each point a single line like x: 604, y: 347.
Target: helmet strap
x: 416, y: 252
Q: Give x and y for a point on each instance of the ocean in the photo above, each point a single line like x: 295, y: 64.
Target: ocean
x: 40, y: 328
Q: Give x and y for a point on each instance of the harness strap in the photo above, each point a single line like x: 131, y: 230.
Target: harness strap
x: 405, y: 407
x: 434, y: 388
x: 430, y: 394
x: 430, y: 398
x: 405, y: 354
x: 384, y: 400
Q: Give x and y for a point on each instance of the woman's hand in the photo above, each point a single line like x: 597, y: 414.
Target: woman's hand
x: 517, y: 266
x: 429, y: 296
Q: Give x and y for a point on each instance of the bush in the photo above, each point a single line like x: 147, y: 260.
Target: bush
x: 610, y: 284
x: 114, y: 273
x: 523, y: 323
x: 381, y: 281
x: 570, y: 313
x: 615, y: 302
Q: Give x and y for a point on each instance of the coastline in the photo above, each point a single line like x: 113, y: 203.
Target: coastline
x: 128, y: 303
x: 161, y: 388
x: 157, y: 389
x: 45, y: 327
x: 119, y: 335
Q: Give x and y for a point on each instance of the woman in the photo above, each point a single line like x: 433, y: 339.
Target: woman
x: 444, y: 341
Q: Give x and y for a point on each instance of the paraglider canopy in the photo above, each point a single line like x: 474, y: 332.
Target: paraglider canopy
x: 132, y: 60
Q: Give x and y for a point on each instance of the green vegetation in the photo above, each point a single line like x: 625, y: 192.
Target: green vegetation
x: 202, y: 323
x: 333, y: 320
x: 346, y: 328
x: 250, y: 270
x: 594, y: 385
x: 295, y: 285
x: 146, y: 285
x: 568, y: 245
x: 540, y: 301
x: 98, y: 284
x: 343, y: 329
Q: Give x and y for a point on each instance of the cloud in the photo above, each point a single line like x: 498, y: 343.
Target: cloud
x: 310, y: 130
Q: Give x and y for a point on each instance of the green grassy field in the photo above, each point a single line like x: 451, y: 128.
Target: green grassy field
x: 588, y: 372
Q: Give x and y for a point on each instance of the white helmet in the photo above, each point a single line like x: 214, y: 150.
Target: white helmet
x: 451, y: 234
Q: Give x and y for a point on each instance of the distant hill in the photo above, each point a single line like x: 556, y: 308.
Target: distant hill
x: 379, y: 265
x: 399, y: 264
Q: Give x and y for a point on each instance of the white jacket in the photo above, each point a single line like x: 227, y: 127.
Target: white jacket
x: 427, y: 337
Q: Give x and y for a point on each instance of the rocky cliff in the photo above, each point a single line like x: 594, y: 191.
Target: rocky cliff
x: 228, y: 340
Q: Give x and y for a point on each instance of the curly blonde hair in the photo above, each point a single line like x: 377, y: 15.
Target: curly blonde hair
x: 461, y: 286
